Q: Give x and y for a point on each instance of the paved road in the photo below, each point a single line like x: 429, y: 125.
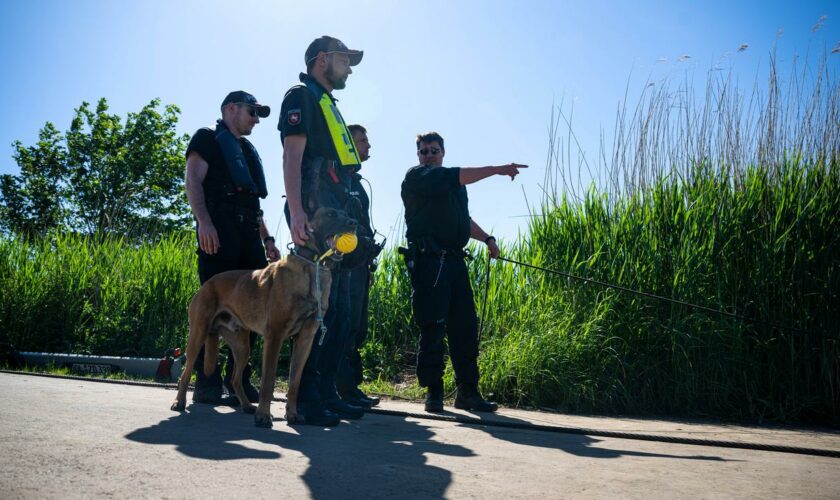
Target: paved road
x: 77, y: 439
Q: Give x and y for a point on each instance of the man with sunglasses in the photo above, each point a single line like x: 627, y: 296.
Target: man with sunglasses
x: 319, y: 157
x: 438, y: 227
x: 224, y: 183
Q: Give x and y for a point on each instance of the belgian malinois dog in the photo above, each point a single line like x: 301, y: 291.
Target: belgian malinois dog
x: 280, y: 301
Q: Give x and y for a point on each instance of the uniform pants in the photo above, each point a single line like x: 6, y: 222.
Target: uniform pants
x: 240, y: 247
x: 349, y: 373
x: 318, y: 380
x: 443, y: 305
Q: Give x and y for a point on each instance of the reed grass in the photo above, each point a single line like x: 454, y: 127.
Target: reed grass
x: 727, y: 200
x: 75, y: 293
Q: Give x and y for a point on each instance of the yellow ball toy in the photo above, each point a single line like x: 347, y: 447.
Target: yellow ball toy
x: 346, y: 243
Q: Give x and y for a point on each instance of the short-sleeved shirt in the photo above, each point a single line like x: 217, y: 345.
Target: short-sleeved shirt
x: 436, y: 206
x: 218, y: 183
x: 301, y: 113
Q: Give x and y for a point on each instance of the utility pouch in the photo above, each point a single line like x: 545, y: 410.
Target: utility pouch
x: 426, y: 246
x: 244, y: 218
x: 409, y: 255
x: 310, y: 183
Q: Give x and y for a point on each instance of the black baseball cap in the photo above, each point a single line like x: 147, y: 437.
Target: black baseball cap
x: 242, y: 97
x: 329, y: 44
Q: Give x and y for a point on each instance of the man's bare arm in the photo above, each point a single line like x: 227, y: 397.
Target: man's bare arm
x: 196, y: 171
x: 481, y: 235
x: 272, y: 253
x: 469, y: 175
x: 293, y: 147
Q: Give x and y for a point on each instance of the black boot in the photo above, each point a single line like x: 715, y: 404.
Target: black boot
x: 344, y: 409
x: 251, y: 392
x: 434, y: 398
x: 208, y: 388
x: 355, y: 401
x: 372, y: 399
x: 356, y: 397
x: 468, y: 398
x: 315, y: 414
x: 334, y: 403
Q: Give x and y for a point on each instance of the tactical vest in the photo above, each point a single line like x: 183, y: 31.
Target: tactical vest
x: 326, y: 181
x: 237, y: 165
x: 339, y: 133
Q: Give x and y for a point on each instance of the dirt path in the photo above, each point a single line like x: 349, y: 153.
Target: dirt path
x: 74, y: 439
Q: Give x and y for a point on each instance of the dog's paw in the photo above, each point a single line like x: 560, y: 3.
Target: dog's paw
x: 249, y: 409
x: 178, y: 405
x: 263, y: 420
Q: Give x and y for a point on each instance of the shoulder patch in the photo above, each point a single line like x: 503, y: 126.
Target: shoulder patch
x: 293, y: 117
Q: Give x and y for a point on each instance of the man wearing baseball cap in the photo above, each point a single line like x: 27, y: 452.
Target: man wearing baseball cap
x: 319, y: 157
x: 224, y: 183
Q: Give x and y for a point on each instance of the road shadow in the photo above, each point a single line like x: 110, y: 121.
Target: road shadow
x: 515, y: 431
x: 377, y: 456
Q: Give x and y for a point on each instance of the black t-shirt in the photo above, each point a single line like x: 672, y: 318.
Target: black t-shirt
x: 301, y: 113
x: 218, y: 184
x: 436, y: 206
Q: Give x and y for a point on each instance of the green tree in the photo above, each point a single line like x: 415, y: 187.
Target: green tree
x: 103, y: 176
x: 31, y: 202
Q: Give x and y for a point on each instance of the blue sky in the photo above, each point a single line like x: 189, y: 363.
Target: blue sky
x: 484, y: 74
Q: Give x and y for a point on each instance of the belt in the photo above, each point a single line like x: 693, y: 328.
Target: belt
x: 428, y: 246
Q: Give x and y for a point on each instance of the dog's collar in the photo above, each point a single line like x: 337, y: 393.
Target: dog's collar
x: 311, y: 256
x: 305, y: 253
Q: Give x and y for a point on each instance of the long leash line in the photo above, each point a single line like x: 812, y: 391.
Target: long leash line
x: 484, y: 299
x: 320, y: 316
x: 370, y: 216
x: 653, y: 296
x: 320, y: 312
x: 522, y: 425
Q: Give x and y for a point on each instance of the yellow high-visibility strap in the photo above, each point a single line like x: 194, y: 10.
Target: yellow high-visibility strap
x: 341, y: 137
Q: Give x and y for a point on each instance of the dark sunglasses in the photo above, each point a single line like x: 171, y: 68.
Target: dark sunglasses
x: 424, y: 151
x: 252, y: 111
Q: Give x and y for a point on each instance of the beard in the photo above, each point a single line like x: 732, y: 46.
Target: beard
x: 335, y: 80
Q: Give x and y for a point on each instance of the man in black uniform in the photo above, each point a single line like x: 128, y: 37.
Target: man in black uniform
x: 438, y: 226
x: 224, y: 183
x: 318, y: 159
x: 361, y: 265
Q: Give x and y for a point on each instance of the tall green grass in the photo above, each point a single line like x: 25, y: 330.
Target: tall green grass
x: 766, y: 250
x: 729, y: 201
x: 726, y: 200
x: 74, y: 293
